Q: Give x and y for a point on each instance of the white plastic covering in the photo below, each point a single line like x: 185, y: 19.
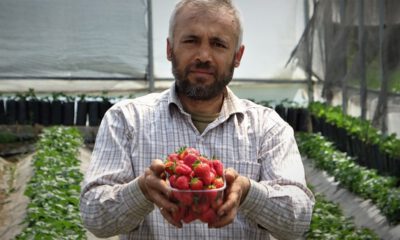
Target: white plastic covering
x: 73, y: 38
x: 271, y: 31
x: 107, y: 40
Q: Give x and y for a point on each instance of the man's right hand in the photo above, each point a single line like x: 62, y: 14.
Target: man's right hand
x: 156, y: 190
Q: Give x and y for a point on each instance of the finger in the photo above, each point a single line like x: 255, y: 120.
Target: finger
x: 157, y: 166
x: 232, y: 201
x: 225, y: 219
x: 168, y: 216
x: 230, y: 175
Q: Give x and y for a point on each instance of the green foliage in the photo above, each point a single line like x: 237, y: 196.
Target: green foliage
x: 364, y: 182
x: 357, y: 127
x: 53, y: 211
x: 328, y: 223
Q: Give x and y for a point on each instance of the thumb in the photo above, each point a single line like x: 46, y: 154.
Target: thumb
x: 230, y: 175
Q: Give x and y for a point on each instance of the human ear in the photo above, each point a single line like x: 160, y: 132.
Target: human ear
x: 238, y: 56
x: 169, y: 50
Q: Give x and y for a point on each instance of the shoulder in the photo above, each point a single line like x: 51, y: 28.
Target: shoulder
x: 145, y: 102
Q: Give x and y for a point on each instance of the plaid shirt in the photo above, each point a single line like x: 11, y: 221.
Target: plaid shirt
x: 248, y: 137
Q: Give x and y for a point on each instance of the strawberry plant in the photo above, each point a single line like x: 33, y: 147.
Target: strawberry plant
x: 328, y: 222
x: 54, y: 189
x: 366, y: 183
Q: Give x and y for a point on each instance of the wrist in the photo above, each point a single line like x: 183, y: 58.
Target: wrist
x: 245, y: 182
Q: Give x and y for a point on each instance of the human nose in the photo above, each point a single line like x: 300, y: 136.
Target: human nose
x: 204, y: 53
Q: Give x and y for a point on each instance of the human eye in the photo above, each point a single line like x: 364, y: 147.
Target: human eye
x: 219, y: 44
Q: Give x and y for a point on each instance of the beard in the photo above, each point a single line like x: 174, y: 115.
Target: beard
x: 198, y: 90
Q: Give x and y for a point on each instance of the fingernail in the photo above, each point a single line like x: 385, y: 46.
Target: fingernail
x: 221, y: 213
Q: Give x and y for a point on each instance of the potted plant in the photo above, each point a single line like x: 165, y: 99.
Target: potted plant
x: 82, y: 110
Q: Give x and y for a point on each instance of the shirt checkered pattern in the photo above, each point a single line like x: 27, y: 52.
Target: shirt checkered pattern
x: 248, y: 137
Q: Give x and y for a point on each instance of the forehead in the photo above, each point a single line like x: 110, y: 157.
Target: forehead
x: 218, y: 21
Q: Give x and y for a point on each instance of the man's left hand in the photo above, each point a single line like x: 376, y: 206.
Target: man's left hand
x: 236, y: 191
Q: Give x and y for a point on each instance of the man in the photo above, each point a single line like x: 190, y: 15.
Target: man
x: 124, y: 193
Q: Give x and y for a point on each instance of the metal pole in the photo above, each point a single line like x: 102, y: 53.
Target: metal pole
x: 383, y: 75
x: 343, y: 4
x: 150, y: 66
x: 310, y: 88
x: 361, y: 43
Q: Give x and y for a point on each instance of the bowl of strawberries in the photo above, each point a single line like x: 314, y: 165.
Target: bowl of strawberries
x: 197, y: 185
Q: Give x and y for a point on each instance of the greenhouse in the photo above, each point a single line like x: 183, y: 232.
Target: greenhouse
x: 330, y: 69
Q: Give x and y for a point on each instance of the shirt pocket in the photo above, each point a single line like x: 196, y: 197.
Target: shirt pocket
x: 245, y: 168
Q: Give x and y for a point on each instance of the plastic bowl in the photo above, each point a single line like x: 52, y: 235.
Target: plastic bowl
x: 197, y: 204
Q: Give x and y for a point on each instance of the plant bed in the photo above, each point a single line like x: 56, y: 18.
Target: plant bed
x: 328, y: 222
x: 54, y: 189
x: 366, y: 183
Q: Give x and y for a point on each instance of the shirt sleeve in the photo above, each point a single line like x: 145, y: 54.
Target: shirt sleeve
x: 280, y: 202
x: 111, y: 201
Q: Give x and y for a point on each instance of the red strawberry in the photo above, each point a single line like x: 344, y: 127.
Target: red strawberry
x: 217, y: 203
x: 196, y: 184
x: 218, y: 166
x: 208, y: 216
x: 184, y: 198
x: 190, y: 216
x: 201, y: 169
x: 169, y: 167
x: 173, y: 157
x: 172, y: 180
x: 211, y: 195
x: 200, y: 207
x: 208, y: 179
x: 182, y: 182
x: 218, y: 182
x: 190, y: 158
x: 183, y: 169
x: 178, y: 215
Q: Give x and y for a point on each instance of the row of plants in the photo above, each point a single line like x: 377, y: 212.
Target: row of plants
x: 329, y: 223
x: 54, y: 189
x: 358, y: 138
x: 383, y: 191
x: 56, y: 109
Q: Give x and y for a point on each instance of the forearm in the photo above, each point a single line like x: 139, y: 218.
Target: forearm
x: 111, y: 210
x: 283, y: 209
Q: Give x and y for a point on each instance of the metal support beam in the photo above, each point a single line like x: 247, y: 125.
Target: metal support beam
x: 362, y: 70
x: 150, y: 66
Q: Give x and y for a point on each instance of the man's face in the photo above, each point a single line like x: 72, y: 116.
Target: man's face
x: 203, y: 53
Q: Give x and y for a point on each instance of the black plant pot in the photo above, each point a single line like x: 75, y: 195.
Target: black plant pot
x: 81, y: 113
x: 291, y: 117
x: 56, y: 112
x: 104, y: 106
x: 69, y: 113
x: 45, y: 113
x: 3, y: 119
x: 22, y: 117
x: 33, y: 111
x: 11, y: 111
x: 281, y: 110
x: 315, y: 124
x: 94, y: 113
x: 303, y: 120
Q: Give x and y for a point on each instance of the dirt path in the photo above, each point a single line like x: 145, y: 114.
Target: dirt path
x: 363, y: 212
x: 13, y: 178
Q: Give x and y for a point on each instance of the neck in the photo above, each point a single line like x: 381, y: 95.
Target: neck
x: 206, y: 107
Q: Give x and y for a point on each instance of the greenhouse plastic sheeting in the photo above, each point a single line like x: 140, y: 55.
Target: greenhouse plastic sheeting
x: 73, y: 39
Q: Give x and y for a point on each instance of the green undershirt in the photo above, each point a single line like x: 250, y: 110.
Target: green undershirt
x: 201, y: 121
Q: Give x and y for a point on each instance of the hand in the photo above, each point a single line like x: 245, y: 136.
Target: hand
x: 236, y: 191
x: 156, y: 190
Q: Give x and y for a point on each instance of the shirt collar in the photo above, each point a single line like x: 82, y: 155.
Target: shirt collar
x: 231, y: 105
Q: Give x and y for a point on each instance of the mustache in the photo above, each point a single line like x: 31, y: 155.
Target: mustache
x: 201, y: 65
